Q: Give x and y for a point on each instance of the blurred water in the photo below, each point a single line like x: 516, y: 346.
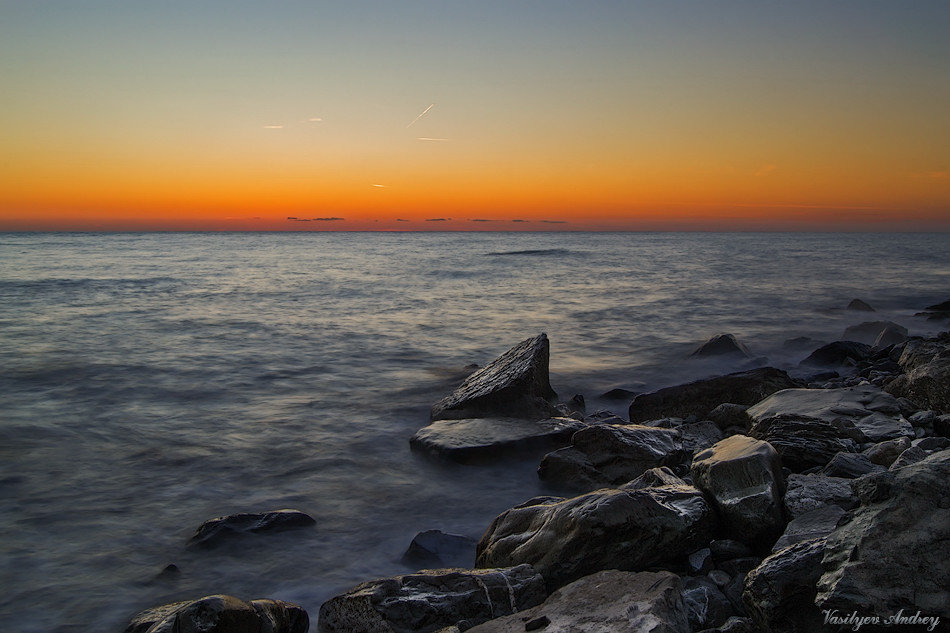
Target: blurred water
x: 151, y: 381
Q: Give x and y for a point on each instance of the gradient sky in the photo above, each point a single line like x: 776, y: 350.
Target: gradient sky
x: 223, y: 114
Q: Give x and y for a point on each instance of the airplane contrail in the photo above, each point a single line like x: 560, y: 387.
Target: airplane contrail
x: 420, y: 116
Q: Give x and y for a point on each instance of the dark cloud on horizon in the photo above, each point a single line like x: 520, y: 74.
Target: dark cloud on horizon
x: 435, y: 219
x: 554, y: 221
x: 296, y: 219
x: 481, y: 220
x: 401, y: 220
x: 521, y: 220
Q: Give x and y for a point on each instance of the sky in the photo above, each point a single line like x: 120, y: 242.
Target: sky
x: 422, y: 115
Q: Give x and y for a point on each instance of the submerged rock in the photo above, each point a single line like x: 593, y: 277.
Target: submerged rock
x: 434, y: 548
x: 222, y: 614
x: 869, y: 331
x: 477, y: 439
x: 936, y: 312
x: 516, y: 384
x: 721, y: 345
x: 859, y: 306
x: 214, y: 532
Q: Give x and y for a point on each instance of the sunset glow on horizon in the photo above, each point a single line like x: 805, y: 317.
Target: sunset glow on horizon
x: 482, y: 116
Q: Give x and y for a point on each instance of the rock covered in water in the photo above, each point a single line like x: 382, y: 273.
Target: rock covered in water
x: 805, y: 493
x: 434, y: 548
x: 803, y: 442
x: 474, y: 439
x: 721, y: 345
x: 431, y: 600
x: 222, y: 614
x: 838, y: 353
x: 516, y: 384
x: 630, y: 530
x: 214, y: 532
x: 779, y: 594
x: 869, y: 331
x: 926, y: 377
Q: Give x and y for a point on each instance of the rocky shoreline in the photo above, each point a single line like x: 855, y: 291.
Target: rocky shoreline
x: 750, y: 502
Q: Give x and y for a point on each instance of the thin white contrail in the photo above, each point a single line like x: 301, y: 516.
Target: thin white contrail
x: 420, y: 116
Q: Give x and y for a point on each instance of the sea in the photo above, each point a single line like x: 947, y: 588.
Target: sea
x: 152, y: 381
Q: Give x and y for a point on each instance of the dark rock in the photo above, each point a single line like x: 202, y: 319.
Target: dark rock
x: 721, y: 345
x: 728, y: 549
x: 537, y: 623
x: 942, y: 426
x: 700, y: 561
x: 743, y: 477
x: 936, y: 312
x: 576, y: 403
x: 869, y: 331
x: 733, y: 592
x: 729, y: 414
x: 482, y: 439
x: 838, y: 353
x: 431, y: 600
x: 705, y: 603
x: 805, y: 493
x: 434, y: 548
x: 619, y: 394
x: 719, y: 577
x: 702, y: 396
x: 697, y: 436
x: 221, y: 614
x: 654, y: 478
x: 912, y: 455
x: 802, y: 442
x: 516, y: 384
x: 810, y: 526
x: 895, y: 553
x: 859, y: 306
x: 932, y: 444
x: 615, y: 601
x: 779, y: 594
x: 890, y: 336
x: 735, y: 624
x: 214, y: 532
x: 874, y: 487
x: 740, y: 566
x: 630, y: 530
x: 923, y: 419
x: 850, y: 466
x: 926, y: 378
x: 884, y: 453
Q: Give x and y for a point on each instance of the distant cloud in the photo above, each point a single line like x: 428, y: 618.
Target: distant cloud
x: 481, y: 220
x: 273, y: 127
x: 435, y: 219
x: 765, y: 170
x: 554, y: 221
x: 315, y: 119
x: 401, y: 220
x: 521, y: 220
x: 290, y: 217
x: 429, y: 138
x: 328, y: 219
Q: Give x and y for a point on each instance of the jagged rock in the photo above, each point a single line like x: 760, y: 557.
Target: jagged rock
x: 431, y: 600
x: 221, y: 614
x: 850, y: 466
x: 481, y: 439
x: 721, y: 345
x: 434, y: 548
x: 869, y: 331
x: 926, y: 377
x: 743, y: 477
x: 702, y: 396
x: 815, y: 524
x: 838, y: 353
x: 654, y: 478
x: 697, y: 436
x: 859, y: 306
x: 625, y: 529
x: 779, y: 594
x: 214, y: 532
x: 884, y: 453
x: 895, y: 552
x: 729, y: 414
x: 719, y: 577
x: 803, y: 442
x: 615, y: 601
x: 607, y: 454
x: 705, y: 603
x: 805, y: 493
x: 740, y: 566
x: 516, y: 384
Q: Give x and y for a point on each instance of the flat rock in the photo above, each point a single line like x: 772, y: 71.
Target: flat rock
x: 838, y: 353
x: 815, y: 524
x: 222, y: 614
x: 516, y: 384
x: 214, y: 532
x: 803, y: 442
x: 478, y: 439
x: 615, y: 601
x: 434, y: 548
x: 869, y: 331
x: 432, y: 600
x: 926, y: 377
x: 721, y: 345
x: 805, y: 493
x: 779, y: 594
x: 702, y: 396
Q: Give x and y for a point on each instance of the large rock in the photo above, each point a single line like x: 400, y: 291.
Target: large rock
x: 743, y: 477
x: 477, y: 439
x: 802, y: 442
x: 838, y: 353
x: 779, y: 594
x: 516, y: 384
x: 609, y: 455
x: 615, y: 601
x: 869, y: 331
x: 805, y: 493
x: 431, y: 600
x: 721, y: 345
x: 809, y: 526
x: 626, y: 529
x: 926, y: 377
x: 895, y: 552
x: 702, y: 396
x: 214, y: 532
x: 222, y: 614
x: 705, y: 603
x: 850, y: 466
x: 434, y: 548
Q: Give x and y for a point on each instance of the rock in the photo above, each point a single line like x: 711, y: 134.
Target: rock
x: 894, y: 553
x: 740, y: 566
x: 434, y: 548
x: 912, y: 455
x: 728, y: 549
x: 735, y: 624
x: 838, y: 353
x: 619, y: 394
x: 809, y: 526
x: 923, y: 420
x: 222, y: 614
x: 482, y: 439
x: 615, y: 601
x: 697, y: 436
x: 859, y: 306
x: 654, y: 478
x: 932, y: 444
x: 937, y: 311
x: 942, y: 426
x: 884, y: 453
x: 729, y: 414
x: 705, y: 603
x: 805, y: 493
x: 516, y: 384
x: 803, y: 442
x: 630, y: 530
x: 431, y: 600
x: 779, y: 594
x: 869, y: 331
x: 890, y: 336
x: 702, y: 396
x: 850, y: 466
x: 719, y: 577
x: 607, y: 454
x: 214, y: 532
x: 743, y: 477
x: 721, y: 345
x: 700, y: 561
x: 926, y: 378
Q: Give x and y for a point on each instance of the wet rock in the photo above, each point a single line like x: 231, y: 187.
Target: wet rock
x: 221, y: 614
x: 936, y: 312
x: 850, y: 466
x: 869, y: 331
x: 926, y: 377
x: 838, y: 353
x: 516, y: 384
x: 620, y: 394
x: 702, y: 396
x: 214, y: 532
x: 654, y: 478
x: 805, y: 493
x: 697, y: 436
x: 624, y: 529
x: 803, y: 442
x: 434, y: 548
x: 894, y: 553
x: 606, y: 454
x: 809, y: 526
x: 431, y: 600
x: 779, y: 594
x: 615, y: 601
x: 743, y: 477
x: 483, y: 439
x: 721, y: 345
x: 884, y: 453
x: 729, y: 414
x: 859, y: 306
x: 705, y: 603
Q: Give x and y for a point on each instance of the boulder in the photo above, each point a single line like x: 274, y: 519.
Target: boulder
x: 654, y: 478
x: 817, y: 523
x: 630, y: 530
x: 926, y: 377
x: 779, y: 594
x: 803, y: 442
x: 702, y: 396
x: 743, y: 477
x: 721, y: 345
x: 890, y: 336
x: 729, y: 414
x: 434, y: 548
x: 850, y: 466
x: 805, y: 493
x: 912, y: 455
x: 609, y: 455
x: 516, y: 384
x: 431, y: 600
x: 700, y: 561
x: 705, y: 603
x: 221, y: 614
x: 895, y: 552
x: 696, y: 436
x: 869, y: 331
x: 884, y: 453
x: 838, y: 353
x: 214, y: 532
x: 859, y: 306
x: 482, y: 439
x: 615, y: 601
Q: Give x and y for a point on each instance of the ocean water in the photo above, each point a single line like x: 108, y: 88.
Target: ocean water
x: 149, y: 382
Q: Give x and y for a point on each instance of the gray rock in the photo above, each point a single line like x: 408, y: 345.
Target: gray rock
x: 850, y: 466
x: 869, y: 331
x: 932, y: 444
x: 890, y: 336
x: 859, y: 306
x: 702, y: 396
x: 214, y: 532
x: 894, y: 553
x: 221, y: 614
x: 937, y: 311
x: 630, y: 530
x: 434, y: 548
x: 805, y: 493
x: 721, y: 345
x: 923, y: 419
x: 706, y: 604
x: 779, y: 594
x: 730, y: 414
x: 482, y: 439
x: 697, y: 436
x: 838, y: 353
x: 926, y: 377
x: 810, y: 526
x: 884, y: 453
x: 743, y: 477
x: 803, y: 442
x: 615, y: 601
x: 432, y: 600
x: 912, y: 455
x: 516, y: 384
